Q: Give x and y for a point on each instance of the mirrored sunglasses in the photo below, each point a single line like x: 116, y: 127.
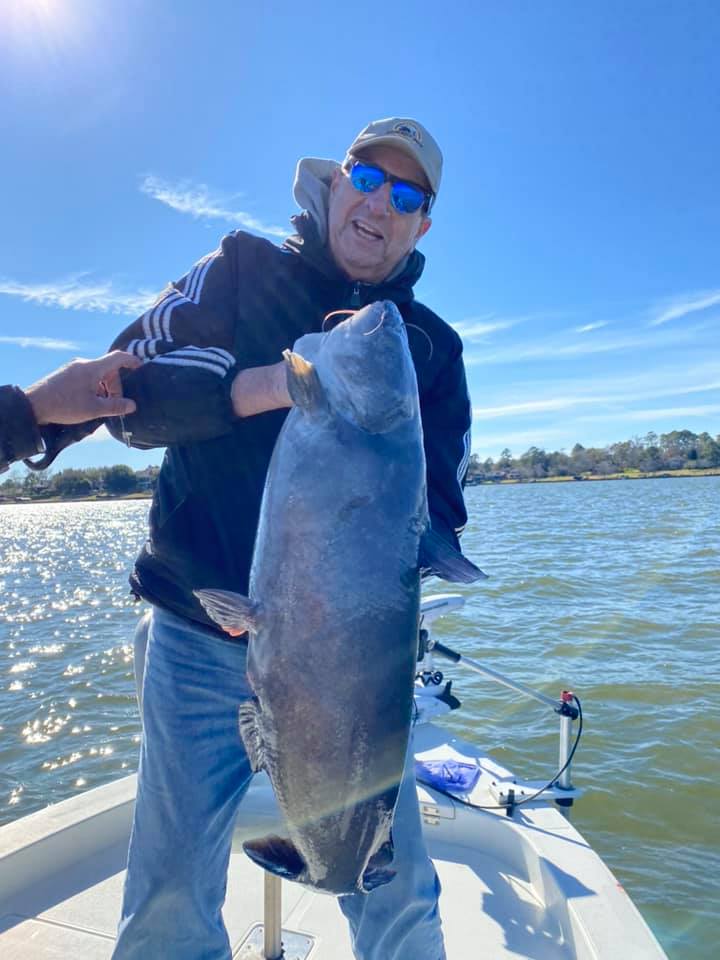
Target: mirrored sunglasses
x: 406, y: 197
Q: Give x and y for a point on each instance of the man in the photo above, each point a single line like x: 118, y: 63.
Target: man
x: 80, y: 391
x: 213, y: 391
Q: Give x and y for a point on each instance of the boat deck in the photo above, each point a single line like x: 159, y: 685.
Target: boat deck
x: 505, y: 918
x: 527, y: 886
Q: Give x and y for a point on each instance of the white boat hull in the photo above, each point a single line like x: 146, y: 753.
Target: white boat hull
x: 526, y: 886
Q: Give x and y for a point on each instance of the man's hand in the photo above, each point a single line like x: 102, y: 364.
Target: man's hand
x: 83, y: 390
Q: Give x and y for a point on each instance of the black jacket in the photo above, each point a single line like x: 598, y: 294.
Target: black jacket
x: 240, y: 307
x: 19, y: 434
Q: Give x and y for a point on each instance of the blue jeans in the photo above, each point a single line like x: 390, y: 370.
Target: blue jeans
x: 193, y: 773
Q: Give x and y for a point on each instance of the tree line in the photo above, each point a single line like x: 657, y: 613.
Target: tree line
x: 117, y: 481
x: 677, y: 450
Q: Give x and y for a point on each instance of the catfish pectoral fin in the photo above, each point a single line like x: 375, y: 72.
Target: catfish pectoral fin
x: 248, y: 718
x: 231, y: 611
x: 276, y: 854
x: 445, y: 561
x: 303, y: 382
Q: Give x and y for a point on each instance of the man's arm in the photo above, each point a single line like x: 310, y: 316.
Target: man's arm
x: 191, y: 385
x: 80, y: 391
x: 259, y: 389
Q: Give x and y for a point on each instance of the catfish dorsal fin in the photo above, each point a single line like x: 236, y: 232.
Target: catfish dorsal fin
x: 445, y: 561
x: 303, y: 382
x: 231, y: 611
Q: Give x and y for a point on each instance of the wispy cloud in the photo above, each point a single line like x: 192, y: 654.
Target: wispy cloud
x: 78, y: 293
x: 653, y: 414
x: 555, y: 348
x: 566, y: 396
x: 548, y: 405
x: 490, y: 444
x: 591, y: 326
x: 681, y: 308
x: 41, y: 343
x: 481, y: 326
x: 202, y: 203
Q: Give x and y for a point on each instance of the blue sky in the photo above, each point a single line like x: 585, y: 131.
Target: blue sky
x: 575, y: 243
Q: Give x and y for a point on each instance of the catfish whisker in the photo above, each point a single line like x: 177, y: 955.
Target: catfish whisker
x: 426, y: 335
x: 336, y: 313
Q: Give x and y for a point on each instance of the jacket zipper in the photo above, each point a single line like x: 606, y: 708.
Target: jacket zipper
x: 355, y: 300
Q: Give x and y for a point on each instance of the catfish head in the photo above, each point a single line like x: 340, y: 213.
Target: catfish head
x: 363, y: 370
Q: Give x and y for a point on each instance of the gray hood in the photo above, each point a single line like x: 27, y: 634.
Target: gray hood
x: 311, y: 190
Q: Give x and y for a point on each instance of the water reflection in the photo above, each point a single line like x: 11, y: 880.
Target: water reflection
x: 608, y: 588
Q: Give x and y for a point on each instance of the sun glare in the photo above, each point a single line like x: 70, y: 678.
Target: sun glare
x: 40, y: 28
x: 36, y: 10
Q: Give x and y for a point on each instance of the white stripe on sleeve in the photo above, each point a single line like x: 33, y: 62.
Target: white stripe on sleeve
x: 174, y: 360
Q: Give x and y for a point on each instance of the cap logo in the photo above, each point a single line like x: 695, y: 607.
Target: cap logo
x: 409, y: 131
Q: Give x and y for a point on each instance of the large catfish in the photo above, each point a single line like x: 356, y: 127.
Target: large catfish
x: 333, y: 606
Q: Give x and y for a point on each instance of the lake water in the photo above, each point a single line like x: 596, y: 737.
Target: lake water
x: 611, y: 589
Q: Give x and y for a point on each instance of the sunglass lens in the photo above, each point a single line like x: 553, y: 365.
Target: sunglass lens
x: 406, y: 198
x: 366, y: 178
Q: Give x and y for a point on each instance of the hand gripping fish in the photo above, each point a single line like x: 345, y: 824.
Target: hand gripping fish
x: 334, y: 604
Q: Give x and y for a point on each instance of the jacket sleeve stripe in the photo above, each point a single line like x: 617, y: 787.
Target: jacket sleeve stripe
x: 158, y: 312
x: 211, y: 354
x: 156, y: 322
x: 155, y: 349
x: 150, y: 320
x: 194, y: 284
x: 177, y: 361
x: 466, y: 458
x: 225, y: 354
x: 145, y: 349
x: 200, y: 272
x: 461, y: 472
x: 164, y: 319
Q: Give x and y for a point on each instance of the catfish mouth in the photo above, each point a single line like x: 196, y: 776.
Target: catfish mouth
x: 379, y: 317
x: 366, y: 231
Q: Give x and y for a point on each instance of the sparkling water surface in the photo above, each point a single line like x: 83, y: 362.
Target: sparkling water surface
x: 611, y: 589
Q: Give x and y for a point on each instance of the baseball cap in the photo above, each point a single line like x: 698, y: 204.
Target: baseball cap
x: 403, y: 133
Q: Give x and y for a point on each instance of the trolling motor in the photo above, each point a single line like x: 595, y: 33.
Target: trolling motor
x: 508, y: 794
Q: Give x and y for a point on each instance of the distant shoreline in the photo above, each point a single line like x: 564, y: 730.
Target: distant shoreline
x: 29, y: 501
x: 629, y: 475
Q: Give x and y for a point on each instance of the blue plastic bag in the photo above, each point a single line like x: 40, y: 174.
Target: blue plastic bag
x: 447, y: 774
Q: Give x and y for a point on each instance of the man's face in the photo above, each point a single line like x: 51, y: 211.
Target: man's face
x: 367, y: 236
